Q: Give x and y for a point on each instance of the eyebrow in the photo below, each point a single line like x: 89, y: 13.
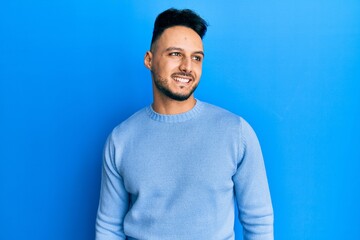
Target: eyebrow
x: 180, y: 49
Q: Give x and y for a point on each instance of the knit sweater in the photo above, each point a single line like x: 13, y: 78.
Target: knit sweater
x: 179, y: 176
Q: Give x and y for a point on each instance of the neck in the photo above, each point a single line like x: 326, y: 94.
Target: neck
x: 165, y: 105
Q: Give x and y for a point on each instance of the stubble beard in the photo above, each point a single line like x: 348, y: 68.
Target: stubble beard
x: 162, y: 85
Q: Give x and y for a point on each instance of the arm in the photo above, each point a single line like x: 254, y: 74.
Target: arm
x: 114, y: 200
x: 251, y: 189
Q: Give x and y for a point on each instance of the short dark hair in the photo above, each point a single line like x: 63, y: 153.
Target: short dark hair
x: 175, y: 17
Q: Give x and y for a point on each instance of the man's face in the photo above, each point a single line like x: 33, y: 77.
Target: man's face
x: 175, y: 62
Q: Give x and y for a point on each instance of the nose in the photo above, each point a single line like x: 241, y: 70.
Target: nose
x: 185, y: 65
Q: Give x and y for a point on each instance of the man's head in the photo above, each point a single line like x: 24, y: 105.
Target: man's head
x: 176, y: 55
x: 174, y: 17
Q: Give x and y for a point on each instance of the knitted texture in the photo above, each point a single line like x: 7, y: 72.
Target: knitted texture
x: 177, y: 176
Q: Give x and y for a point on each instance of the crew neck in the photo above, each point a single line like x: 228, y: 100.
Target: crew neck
x: 174, y: 118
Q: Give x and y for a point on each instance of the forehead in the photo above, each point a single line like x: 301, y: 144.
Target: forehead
x: 180, y: 37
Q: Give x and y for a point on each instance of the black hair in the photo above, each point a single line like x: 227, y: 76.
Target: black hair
x: 175, y: 17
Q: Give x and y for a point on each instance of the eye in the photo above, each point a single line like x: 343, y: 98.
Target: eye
x: 197, y: 58
x: 176, y: 54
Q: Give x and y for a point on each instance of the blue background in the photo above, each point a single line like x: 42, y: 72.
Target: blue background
x: 70, y: 71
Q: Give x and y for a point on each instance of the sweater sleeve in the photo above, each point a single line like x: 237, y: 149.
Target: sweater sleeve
x: 251, y: 188
x: 114, y: 200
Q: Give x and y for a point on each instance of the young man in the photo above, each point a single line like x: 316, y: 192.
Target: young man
x: 173, y: 169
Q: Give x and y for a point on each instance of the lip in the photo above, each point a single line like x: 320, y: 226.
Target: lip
x: 182, y: 79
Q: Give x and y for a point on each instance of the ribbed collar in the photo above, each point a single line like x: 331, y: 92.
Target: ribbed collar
x: 175, y: 118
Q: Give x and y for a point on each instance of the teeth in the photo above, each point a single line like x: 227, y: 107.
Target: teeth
x: 182, y: 80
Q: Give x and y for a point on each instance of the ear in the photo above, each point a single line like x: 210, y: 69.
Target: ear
x: 148, y: 60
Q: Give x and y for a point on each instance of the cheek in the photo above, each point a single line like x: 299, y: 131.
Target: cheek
x: 198, y: 70
x: 167, y: 68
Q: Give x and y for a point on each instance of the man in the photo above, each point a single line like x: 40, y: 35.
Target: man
x: 173, y: 169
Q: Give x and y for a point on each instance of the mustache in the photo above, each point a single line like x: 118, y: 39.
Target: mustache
x: 182, y: 74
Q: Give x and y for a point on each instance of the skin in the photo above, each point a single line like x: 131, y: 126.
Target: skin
x: 175, y: 61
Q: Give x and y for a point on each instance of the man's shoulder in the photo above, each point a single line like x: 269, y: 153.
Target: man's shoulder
x: 131, y: 123
x: 218, y: 113
x: 225, y: 119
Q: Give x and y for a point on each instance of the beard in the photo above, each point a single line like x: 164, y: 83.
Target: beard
x: 162, y: 85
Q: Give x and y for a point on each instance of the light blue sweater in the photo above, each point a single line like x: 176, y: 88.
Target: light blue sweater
x: 176, y: 177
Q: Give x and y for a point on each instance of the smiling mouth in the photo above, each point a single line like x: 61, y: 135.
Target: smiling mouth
x: 182, y: 78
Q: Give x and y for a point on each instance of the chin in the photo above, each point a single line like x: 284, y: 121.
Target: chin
x: 179, y: 97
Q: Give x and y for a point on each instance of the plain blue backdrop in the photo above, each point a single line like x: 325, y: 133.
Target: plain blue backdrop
x: 70, y: 71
